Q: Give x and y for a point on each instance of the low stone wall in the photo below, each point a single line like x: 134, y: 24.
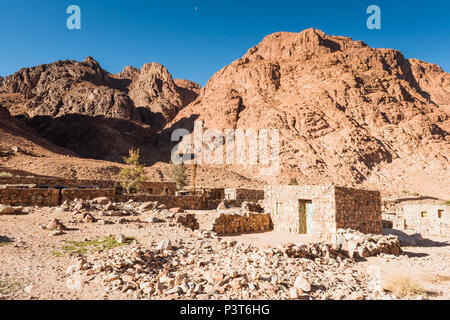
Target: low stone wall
x: 236, y: 223
x: 156, y: 188
x: 30, y: 197
x: 184, y: 202
x: 244, y: 194
x: 86, y: 194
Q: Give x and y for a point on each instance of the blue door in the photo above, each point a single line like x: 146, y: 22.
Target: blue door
x: 309, y: 217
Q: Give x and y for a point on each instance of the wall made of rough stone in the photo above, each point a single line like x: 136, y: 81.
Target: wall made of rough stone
x: 245, y: 223
x: 184, y: 202
x: 244, y: 194
x: 86, y: 194
x: 29, y: 197
x: 157, y: 188
x: 358, y: 210
x: 287, y: 217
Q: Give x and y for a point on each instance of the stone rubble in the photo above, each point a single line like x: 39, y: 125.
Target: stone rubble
x: 205, y: 266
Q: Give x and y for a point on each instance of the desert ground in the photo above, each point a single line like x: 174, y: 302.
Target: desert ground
x: 41, y: 264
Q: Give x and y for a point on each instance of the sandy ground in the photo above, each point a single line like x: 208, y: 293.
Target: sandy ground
x: 33, y: 263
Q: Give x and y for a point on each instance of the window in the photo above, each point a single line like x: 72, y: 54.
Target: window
x: 278, y: 208
x: 423, y: 214
x: 440, y: 214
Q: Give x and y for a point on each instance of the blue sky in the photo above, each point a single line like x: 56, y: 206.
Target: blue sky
x: 196, y: 38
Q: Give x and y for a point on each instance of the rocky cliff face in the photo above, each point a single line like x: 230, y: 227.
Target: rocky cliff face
x: 347, y: 113
x: 157, y: 97
x: 69, y: 87
x: 81, y: 107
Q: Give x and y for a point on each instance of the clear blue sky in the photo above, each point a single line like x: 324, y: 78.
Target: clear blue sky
x: 195, y: 38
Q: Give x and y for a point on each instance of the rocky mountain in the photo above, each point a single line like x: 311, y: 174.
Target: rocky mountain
x: 82, y: 107
x: 346, y: 113
x: 158, y: 98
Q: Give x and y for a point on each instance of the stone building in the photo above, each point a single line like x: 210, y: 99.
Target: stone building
x: 431, y: 219
x: 321, y: 210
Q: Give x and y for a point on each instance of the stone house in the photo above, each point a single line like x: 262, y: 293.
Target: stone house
x: 322, y: 209
x: 432, y: 219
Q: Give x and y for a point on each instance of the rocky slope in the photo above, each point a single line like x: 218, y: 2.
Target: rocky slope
x: 347, y: 113
x: 157, y: 97
x: 83, y: 108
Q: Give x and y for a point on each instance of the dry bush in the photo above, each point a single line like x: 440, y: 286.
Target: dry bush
x: 403, y: 285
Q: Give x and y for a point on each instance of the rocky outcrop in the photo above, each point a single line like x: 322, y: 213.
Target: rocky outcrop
x: 83, y: 108
x: 157, y: 97
x: 70, y: 87
x: 347, y: 113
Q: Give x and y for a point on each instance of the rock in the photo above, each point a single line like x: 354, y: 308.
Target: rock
x: 176, y: 210
x: 293, y: 294
x: 7, y: 210
x: 302, y: 284
x: 89, y: 218
x: 101, y: 200
x: 164, y: 245
x: 55, y: 224
x: 222, y: 206
x: 121, y: 238
x: 148, y: 206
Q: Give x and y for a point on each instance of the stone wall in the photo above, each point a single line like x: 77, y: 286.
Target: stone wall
x: 332, y: 208
x: 160, y: 188
x: 237, y: 223
x: 157, y: 188
x: 86, y: 194
x: 30, y: 197
x: 358, y: 210
x: 428, y: 219
x: 244, y: 194
x: 184, y: 202
x: 283, y: 204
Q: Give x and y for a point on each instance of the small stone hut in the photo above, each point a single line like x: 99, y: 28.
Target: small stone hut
x: 322, y: 209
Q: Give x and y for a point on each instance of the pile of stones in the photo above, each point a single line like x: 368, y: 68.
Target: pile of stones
x: 188, y: 220
x: 201, y: 265
x: 108, y: 208
x: 355, y: 244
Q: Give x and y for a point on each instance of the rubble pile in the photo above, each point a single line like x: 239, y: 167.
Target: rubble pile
x: 204, y: 266
x: 355, y: 244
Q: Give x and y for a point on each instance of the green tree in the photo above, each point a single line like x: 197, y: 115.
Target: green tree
x: 133, y: 176
x: 293, y: 182
x: 177, y: 173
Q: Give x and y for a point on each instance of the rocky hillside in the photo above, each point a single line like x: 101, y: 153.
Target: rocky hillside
x: 347, y: 113
x: 83, y: 108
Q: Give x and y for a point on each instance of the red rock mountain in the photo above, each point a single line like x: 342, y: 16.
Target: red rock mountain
x: 347, y: 113
x: 83, y: 108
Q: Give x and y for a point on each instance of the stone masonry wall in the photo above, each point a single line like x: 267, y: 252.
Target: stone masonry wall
x: 29, y: 197
x: 86, y: 194
x: 184, y: 202
x: 283, y: 204
x: 157, y: 188
x: 244, y: 194
x: 358, y: 210
x: 237, y: 223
